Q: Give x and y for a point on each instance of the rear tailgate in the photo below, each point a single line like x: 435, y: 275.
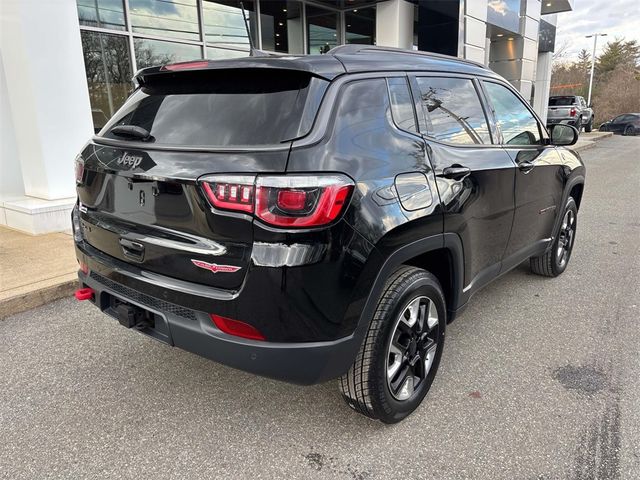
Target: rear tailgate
x: 141, y: 203
x: 559, y: 112
x: 156, y: 215
x: 560, y: 107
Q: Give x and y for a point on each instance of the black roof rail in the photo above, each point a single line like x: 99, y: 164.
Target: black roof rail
x: 354, y: 48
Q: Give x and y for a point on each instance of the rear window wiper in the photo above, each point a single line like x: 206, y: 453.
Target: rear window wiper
x: 132, y: 131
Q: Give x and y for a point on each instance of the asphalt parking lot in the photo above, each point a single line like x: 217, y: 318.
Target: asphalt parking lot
x: 540, y: 379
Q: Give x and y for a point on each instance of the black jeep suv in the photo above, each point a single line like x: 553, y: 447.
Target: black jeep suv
x: 320, y: 217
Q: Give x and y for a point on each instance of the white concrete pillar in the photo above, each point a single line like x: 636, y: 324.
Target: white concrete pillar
x: 514, y: 57
x: 475, y: 30
x: 394, y: 24
x: 47, y: 88
x: 10, y: 172
x: 543, y: 84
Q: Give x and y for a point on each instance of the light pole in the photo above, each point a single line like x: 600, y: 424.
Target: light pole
x: 593, y: 60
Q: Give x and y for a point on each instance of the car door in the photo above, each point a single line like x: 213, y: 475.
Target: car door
x: 474, y: 177
x: 539, y: 176
x: 617, y: 124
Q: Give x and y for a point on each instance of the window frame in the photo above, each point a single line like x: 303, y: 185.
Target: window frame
x: 544, y: 133
x: 422, y: 115
x: 412, y: 101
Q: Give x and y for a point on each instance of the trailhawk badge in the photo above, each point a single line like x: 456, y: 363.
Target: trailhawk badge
x: 214, y: 267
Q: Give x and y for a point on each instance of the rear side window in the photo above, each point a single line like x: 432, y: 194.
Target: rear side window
x: 223, y: 108
x: 402, y: 104
x: 453, y: 110
x: 561, y: 101
x: 515, y: 120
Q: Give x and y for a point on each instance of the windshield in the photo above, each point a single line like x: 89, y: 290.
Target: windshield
x: 228, y: 108
x: 561, y: 101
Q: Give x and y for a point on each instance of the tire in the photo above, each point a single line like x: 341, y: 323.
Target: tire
x: 553, y: 262
x: 579, y: 125
x: 628, y: 131
x: 589, y: 126
x: 374, y: 385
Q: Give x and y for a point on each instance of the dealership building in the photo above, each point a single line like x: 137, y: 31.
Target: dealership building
x: 66, y: 65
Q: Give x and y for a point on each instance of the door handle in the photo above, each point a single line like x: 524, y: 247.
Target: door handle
x: 132, y: 250
x: 526, y: 167
x: 456, y: 172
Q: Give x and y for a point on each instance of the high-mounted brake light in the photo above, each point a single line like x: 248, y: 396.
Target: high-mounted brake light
x: 293, y: 201
x: 185, y: 65
x: 236, y: 328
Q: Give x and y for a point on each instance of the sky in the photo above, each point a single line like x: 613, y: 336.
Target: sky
x: 617, y: 18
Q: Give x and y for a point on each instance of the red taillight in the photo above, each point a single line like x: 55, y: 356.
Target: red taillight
x: 84, y: 293
x: 231, y: 192
x: 291, y: 200
x: 298, y: 201
x: 185, y: 65
x: 572, y: 112
x: 324, y: 206
x: 236, y: 328
x: 79, y: 169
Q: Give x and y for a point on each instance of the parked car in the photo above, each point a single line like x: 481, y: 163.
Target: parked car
x: 571, y: 110
x: 320, y: 217
x: 626, y: 124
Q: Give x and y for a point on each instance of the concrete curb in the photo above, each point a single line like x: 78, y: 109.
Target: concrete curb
x: 37, y: 298
x: 587, y: 143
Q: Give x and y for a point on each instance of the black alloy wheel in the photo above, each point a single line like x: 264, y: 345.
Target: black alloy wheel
x: 401, y: 352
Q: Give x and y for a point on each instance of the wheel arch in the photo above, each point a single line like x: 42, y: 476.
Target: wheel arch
x: 576, y: 193
x: 440, y: 254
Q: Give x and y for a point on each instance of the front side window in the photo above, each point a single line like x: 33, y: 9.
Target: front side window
x: 514, y: 119
x: 453, y: 110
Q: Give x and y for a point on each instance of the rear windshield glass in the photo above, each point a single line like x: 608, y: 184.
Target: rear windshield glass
x: 222, y: 108
x: 561, y: 101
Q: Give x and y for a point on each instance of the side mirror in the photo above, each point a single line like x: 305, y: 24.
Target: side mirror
x: 591, y: 105
x: 563, y: 135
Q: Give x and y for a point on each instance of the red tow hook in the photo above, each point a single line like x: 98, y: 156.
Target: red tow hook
x: 84, y: 293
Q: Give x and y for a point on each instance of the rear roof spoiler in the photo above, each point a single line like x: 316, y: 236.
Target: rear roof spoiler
x: 326, y: 68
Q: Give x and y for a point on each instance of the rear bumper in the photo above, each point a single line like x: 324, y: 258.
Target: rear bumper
x: 185, y: 307
x: 302, y: 363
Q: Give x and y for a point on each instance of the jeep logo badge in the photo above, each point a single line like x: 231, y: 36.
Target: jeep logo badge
x: 130, y: 160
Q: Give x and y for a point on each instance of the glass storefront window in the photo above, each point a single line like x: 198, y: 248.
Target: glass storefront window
x: 360, y: 26
x: 157, y: 52
x: 223, y: 23
x: 108, y: 69
x: 281, y: 26
x: 167, y: 18
x: 101, y: 13
x: 214, y: 53
x: 322, y: 29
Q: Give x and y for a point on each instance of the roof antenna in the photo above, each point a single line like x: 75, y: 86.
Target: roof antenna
x: 246, y: 26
